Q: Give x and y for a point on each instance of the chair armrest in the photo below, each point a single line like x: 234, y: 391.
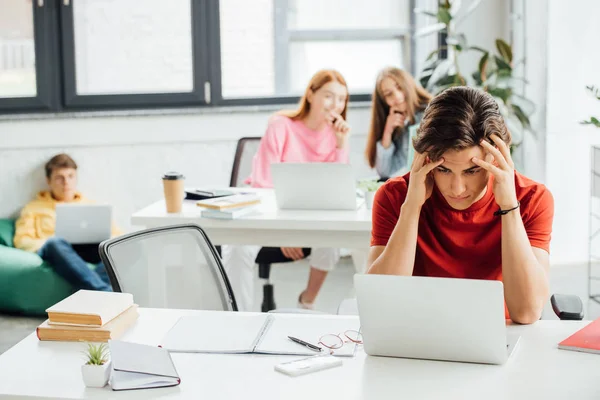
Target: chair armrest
x: 567, y: 306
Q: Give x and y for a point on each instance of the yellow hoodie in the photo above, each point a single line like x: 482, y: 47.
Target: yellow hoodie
x: 38, y: 219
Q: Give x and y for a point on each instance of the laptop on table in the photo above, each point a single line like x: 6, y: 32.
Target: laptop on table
x: 433, y: 318
x: 315, y: 186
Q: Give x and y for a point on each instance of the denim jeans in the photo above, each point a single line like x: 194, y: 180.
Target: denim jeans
x: 68, y: 264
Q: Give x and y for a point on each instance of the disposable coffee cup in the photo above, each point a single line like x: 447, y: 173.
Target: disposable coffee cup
x: 174, y: 191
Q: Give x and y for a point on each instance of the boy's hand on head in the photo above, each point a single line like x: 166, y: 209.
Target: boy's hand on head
x: 502, y: 168
x: 420, y: 185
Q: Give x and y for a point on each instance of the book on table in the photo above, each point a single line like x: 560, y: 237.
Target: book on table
x: 89, y: 308
x: 258, y: 333
x: 113, y: 329
x: 230, y: 213
x: 228, y: 202
x: 140, y: 366
x: 586, y: 340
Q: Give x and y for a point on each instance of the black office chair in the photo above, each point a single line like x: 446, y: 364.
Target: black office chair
x: 242, y: 168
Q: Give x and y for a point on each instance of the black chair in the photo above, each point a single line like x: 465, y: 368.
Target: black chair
x: 242, y: 168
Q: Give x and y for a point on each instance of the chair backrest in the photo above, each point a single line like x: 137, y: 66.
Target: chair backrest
x: 242, y: 162
x: 169, y: 267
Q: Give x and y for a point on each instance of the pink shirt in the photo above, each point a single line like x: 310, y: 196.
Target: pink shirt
x: 291, y: 141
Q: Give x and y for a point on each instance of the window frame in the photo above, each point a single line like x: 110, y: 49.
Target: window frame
x: 196, y: 97
x: 54, y: 39
x: 46, y: 50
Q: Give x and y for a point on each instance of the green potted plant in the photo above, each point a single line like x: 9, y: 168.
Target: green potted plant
x: 593, y: 120
x: 369, y: 188
x: 494, y: 72
x: 96, y: 370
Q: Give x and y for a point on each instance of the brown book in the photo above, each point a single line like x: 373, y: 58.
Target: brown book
x: 227, y: 202
x: 69, y: 333
x: 89, y: 308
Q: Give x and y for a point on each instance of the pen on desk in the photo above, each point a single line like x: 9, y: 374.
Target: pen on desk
x: 303, y: 343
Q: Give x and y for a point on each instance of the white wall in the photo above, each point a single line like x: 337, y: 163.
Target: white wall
x: 573, y: 63
x: 121, y: 158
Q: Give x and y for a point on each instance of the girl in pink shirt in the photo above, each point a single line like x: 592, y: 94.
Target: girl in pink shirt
x: 316, y: 132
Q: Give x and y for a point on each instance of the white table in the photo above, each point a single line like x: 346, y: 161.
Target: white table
x: 271, y: 227
x: 537, y: 370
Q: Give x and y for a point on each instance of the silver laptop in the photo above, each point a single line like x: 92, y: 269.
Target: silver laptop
x: 83, y: 223
x: 315, y: 186
x: 433, y: 318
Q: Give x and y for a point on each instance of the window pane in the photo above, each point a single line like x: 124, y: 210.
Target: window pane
x: 348, y: 14
x: 260, y: 58
x: 130, y: 47
x: 17, y: 50
x: 360, y: 72
x: 247, y: 48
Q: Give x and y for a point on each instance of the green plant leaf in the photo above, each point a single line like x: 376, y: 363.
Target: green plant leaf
x: 428, y: 30
x: 443, y: 69
x: 444, y: 16
x: 477, y: 78
x: 592, y: 121
x: 526, y: 105
x: 504, y: 94
x: 524, y: 119
x: 510, y: 81
x: 483, y: 61
x: 502, y: 65
x: 479, y: 49
x: 594, y: 90
x: 505, y: 50
x: 96, y: 354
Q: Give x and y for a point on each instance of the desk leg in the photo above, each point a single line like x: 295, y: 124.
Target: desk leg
x: 359, y: 258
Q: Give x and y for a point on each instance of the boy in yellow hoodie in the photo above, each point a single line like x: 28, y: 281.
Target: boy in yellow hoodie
x: 35, y: 229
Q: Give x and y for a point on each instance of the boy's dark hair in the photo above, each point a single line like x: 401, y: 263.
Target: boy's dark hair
x: 59, y: 161
x: 459, y: 118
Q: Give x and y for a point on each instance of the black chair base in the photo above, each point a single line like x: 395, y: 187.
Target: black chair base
x: 268, y: 303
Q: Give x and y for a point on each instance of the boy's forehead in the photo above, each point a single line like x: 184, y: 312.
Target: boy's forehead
x: 463, y: 157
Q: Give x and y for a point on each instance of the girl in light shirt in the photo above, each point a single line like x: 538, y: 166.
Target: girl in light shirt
x: 315, y: 132
x: 398, y: 104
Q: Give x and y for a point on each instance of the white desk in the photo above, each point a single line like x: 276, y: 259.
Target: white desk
x: 271, y: 227
x: 537, y: 370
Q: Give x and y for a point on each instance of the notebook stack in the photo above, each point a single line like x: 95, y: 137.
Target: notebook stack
x: 89, y: 316
x: 230, y: 207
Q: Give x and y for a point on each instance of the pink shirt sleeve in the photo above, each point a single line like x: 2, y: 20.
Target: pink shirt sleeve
x: 269, y: 151
x: 342, y: 156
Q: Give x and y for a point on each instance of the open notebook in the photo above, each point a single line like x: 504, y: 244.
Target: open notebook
x: 252, y: 333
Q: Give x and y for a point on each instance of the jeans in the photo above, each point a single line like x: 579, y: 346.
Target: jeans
x: 69, y: 265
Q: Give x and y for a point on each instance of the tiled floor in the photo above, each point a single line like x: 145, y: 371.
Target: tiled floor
x: 290, y: 279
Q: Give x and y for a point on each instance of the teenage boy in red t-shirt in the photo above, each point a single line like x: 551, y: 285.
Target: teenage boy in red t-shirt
x: 463, y: 211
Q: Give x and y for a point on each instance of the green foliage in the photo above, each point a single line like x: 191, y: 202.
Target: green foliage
x: 593, y: 120
x: 369, y: 185
x: 493, y: 72
x: 96, y: 354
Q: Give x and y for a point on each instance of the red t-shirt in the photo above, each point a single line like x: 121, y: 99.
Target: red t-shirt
x: 462, y: 243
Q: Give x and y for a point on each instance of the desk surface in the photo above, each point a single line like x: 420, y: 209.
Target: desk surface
x: 271, y: 226
x: 537, y: 369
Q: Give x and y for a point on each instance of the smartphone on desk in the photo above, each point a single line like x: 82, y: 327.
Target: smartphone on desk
x: 307, y: 365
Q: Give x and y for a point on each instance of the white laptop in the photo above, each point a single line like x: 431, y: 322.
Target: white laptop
x: 83, y: 223
x: 315, y: 186
x: 433, y: 318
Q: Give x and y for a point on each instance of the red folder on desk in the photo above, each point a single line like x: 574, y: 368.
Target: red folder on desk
x: 586, y: 339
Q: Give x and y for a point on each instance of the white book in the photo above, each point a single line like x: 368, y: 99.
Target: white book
x: 231, y: 213
x: 89, y: 308
x: 139, y: 366
x: 262, y: 333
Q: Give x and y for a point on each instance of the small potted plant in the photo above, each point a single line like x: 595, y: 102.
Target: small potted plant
x: 369, y: 187
x: 96, y: 370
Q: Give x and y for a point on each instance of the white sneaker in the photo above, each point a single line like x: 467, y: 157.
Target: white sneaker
x: 306, y: 306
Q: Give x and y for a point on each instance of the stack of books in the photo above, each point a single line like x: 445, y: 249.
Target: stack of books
x: 230, y: 207
x: 89, y: 316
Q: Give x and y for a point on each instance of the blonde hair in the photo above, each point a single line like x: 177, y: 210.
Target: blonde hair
x: 318, y: 80
x: 417, y: 99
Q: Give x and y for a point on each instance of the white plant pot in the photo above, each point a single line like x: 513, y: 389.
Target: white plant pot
x: 369, y: 197
x: 96, y: 375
